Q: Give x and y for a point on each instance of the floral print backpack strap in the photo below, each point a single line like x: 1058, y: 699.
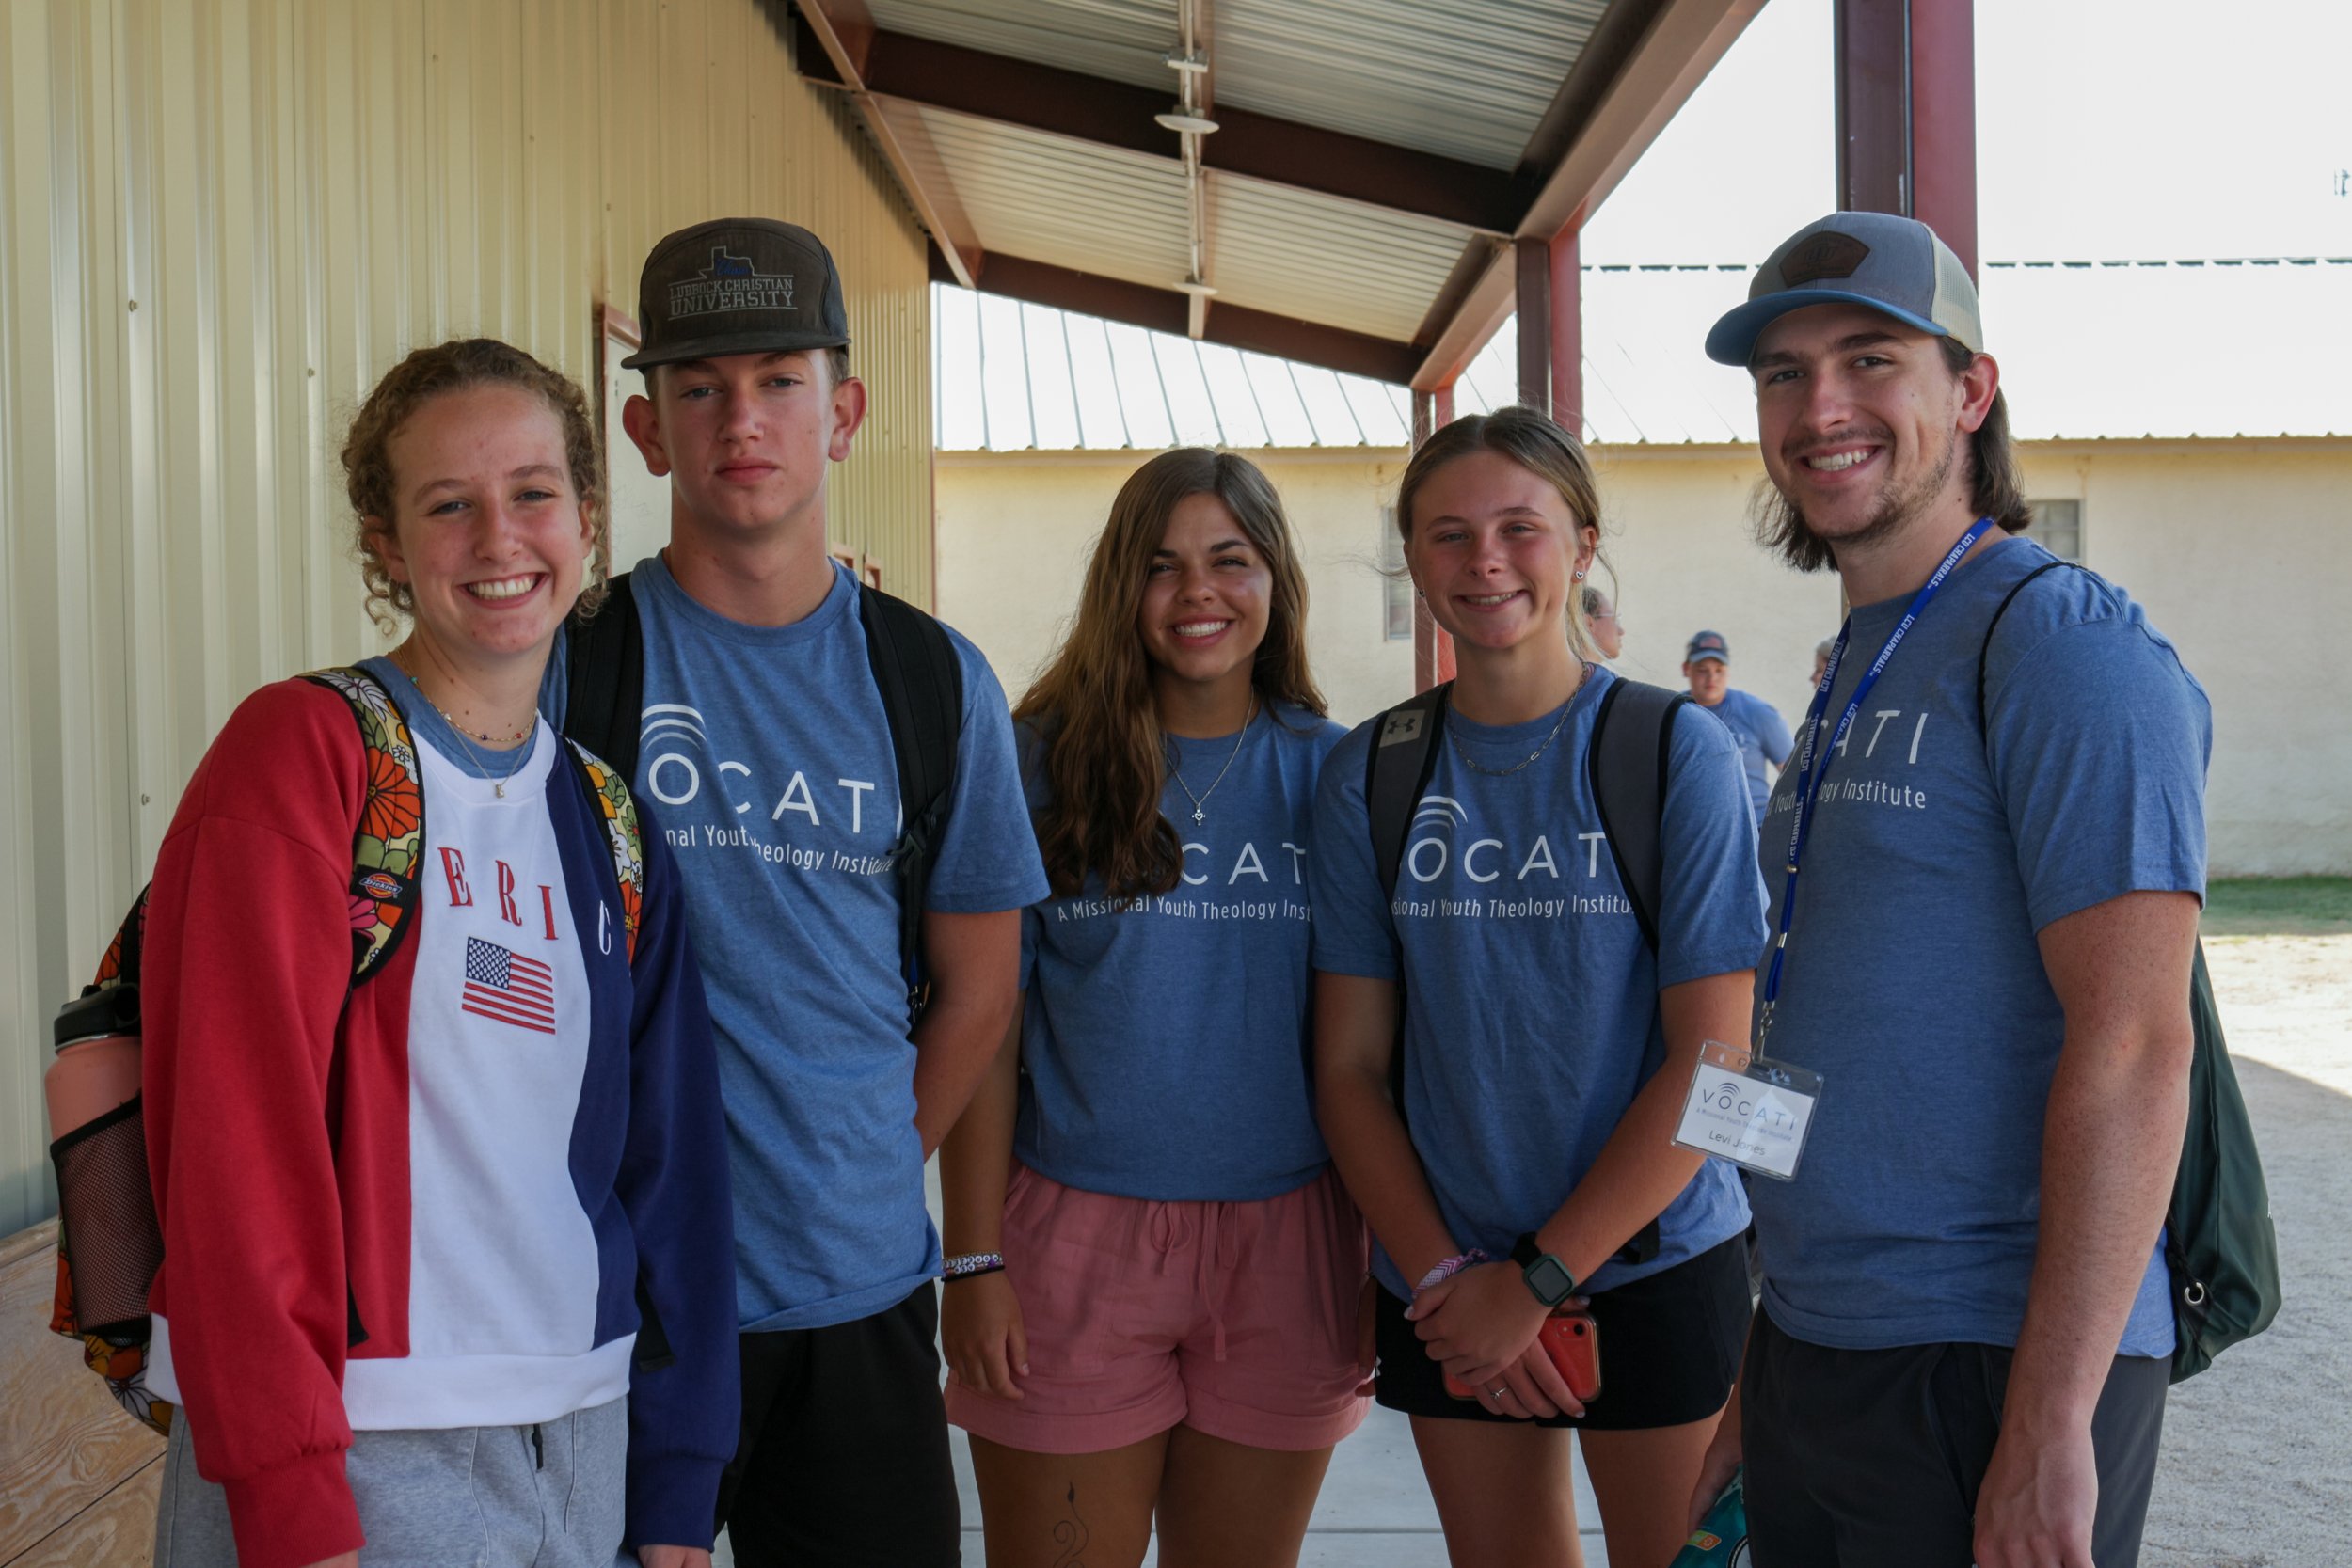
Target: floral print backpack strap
x: 618, y: 809
x: 388, y: 846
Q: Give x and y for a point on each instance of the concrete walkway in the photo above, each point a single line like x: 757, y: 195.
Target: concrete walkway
x: 2257, y: 1462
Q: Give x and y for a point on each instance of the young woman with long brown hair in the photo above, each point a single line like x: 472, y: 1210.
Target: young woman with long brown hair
x: 1548, y: 1043
x: 1150, y: 1309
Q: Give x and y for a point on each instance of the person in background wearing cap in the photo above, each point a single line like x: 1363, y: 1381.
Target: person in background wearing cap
x: 1964, y: 1344
x: 1754, y: 723
x: 769, y: 757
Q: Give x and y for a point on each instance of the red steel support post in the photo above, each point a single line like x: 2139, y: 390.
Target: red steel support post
x: 1568, y: 333
x: 1943, y: 122
x: 1906, y: 80
x: 1433, y: 649
x: 1533, y: 259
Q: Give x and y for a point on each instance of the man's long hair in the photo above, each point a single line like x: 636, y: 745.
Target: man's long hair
x: 1996, y: 484
x: 1104, y: 754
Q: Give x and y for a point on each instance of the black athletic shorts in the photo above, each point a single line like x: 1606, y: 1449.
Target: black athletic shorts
x: 1873, y: 1458
x: 843, y: 1459
x: 1669, y: 1350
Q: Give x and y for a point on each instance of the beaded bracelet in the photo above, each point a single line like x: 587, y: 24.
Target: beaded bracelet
x: 1448, y: 1269
x: 966, y: 1265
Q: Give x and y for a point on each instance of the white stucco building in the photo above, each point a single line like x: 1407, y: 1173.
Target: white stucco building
x: 2179, y: 435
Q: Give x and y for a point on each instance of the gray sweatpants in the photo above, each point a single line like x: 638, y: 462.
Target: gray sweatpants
x: 544, y: 1497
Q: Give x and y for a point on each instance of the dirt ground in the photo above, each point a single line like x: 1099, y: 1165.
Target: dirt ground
x: 2257, y: 1462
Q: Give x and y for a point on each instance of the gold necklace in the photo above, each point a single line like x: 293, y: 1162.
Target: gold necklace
x: 522, y: 753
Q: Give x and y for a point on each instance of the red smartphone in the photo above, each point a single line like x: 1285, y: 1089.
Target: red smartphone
x: 1572, y: 1340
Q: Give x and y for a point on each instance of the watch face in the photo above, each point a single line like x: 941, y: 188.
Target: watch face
x: 1549, y: 1280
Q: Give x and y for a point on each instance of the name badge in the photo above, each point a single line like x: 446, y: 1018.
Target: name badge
x: 1749, y: 1111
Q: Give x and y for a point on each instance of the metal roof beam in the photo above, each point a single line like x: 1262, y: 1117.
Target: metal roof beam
x: 1641, y: 65
x: 1116, y: 114
x: 842, y: 34
x: 1167, y: 310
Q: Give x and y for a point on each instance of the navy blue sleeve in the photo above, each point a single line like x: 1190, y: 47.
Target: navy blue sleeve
x: 684, y: 1418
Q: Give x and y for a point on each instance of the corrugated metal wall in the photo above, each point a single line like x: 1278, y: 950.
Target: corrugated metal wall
x: 220, y: 220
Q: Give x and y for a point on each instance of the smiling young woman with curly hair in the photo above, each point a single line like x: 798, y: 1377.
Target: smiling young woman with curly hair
x: 432, y: 1106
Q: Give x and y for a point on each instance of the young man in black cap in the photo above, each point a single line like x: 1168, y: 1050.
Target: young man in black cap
x: 765, y: 742
x: 1754, y: 723
x: 1964, y: 1346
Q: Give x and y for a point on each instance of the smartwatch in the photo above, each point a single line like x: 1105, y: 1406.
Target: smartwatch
x: 1547, y: 1278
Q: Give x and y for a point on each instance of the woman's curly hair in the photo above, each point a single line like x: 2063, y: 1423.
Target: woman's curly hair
x: 430, y: 372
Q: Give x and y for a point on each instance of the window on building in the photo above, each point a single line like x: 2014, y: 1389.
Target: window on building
x: 2058, y: 524
x: 1397, y: 606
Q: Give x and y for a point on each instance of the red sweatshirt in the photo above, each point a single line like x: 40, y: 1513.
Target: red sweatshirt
x: 369, y: 1227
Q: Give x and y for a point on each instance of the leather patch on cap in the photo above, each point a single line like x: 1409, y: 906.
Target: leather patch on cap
x: 1828, y: 254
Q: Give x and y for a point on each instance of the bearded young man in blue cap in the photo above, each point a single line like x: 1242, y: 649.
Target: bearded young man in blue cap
x: 1961, y: 1353
x: 767, y: 747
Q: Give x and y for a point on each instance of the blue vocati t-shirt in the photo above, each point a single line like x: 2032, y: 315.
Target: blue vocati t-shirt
x: 765, y: 758
x: 1166, y: 1041
x: 1530, y: 1015
x: 1763, y: 736
x: 1913, y: 982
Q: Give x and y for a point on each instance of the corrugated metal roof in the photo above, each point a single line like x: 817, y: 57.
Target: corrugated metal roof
x: 1469, y: 80
x: 2110, y: 350
x: 1122, y: 40
x: 1321, y: 258
x: 1015, y: 185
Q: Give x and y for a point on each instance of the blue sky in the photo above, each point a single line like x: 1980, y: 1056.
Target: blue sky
x: 2105, y: 129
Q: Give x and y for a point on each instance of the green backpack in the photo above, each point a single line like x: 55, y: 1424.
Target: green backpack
x: 2219, y: 1245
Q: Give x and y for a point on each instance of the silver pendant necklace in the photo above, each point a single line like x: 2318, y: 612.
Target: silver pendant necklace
x: 1200, y: 801
x: 1550, y: 735
x: 522, y: 753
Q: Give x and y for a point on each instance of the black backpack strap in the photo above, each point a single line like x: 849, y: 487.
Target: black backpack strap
x: 921, y: 683
x: 1397, y: 767
x: 1403, y: 754
x: 1984, y: 652
x: 1632, y: 742
x: 605, y: 686
x: 1627, y: 767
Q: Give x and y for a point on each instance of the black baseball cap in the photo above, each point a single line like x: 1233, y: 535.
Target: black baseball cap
x: 1706, y: 645
x: 738, y: 286
x: 1892, y: 264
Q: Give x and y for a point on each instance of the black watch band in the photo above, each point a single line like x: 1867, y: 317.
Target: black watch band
x: 1547, y: 1278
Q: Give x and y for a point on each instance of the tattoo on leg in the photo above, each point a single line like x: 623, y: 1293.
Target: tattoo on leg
x: 1071, y: 1536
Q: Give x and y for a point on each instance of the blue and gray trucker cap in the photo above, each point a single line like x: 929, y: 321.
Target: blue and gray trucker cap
x: 1889, y: 263
x: 738, y: 286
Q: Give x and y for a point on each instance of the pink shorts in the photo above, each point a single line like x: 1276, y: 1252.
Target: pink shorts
x: 1235, y: 1319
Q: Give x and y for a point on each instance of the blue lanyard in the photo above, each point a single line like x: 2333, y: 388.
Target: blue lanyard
x: 1809, y: 778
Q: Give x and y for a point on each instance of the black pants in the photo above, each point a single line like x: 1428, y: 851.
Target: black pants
x: 843, y: 1462
x: 1873, y: 1458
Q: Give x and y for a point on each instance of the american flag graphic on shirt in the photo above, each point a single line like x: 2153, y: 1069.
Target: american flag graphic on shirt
x: 505, y: 986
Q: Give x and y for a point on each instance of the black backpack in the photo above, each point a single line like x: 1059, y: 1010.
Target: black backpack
x: 1627, y: 765
x: 922, y: 692
x: 2219, y: 1245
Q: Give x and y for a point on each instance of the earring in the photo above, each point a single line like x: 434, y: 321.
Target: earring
x: 1580, y: 574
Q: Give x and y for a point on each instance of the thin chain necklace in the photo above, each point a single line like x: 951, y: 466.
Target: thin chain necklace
x: 522, y: 753
x: 1200, y: 801
x: 1550, y: 735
